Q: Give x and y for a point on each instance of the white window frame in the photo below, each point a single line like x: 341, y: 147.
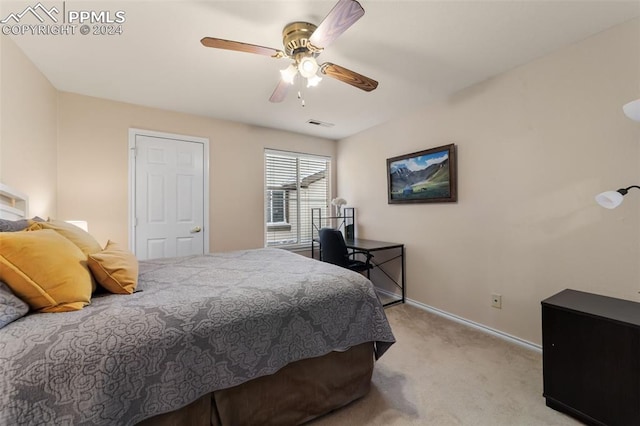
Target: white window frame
x: 285, y: 208
x: 299, y: 218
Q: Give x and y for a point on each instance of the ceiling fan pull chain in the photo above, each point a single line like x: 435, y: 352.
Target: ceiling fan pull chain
x: 300, y: 89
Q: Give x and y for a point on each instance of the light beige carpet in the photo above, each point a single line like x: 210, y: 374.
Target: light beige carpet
x: 444, y: 373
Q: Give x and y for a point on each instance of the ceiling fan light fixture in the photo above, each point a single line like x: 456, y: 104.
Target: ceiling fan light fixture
x: 308, y: 67
x: 313, y: 81
x: 289, y: 74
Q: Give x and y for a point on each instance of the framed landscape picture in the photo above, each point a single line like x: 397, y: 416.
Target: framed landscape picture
x: 428, y: 176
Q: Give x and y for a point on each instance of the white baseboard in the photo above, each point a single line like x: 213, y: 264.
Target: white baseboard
x: 477, y: 326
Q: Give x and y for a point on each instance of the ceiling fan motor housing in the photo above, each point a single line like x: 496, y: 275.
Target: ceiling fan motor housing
x: 295, y: 38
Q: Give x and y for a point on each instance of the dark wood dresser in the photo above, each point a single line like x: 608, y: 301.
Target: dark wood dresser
x: 591, y: 357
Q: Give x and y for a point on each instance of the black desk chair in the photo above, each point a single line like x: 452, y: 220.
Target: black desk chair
x: 334, y: 250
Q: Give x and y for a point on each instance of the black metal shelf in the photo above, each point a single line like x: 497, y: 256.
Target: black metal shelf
x: 345, y: 223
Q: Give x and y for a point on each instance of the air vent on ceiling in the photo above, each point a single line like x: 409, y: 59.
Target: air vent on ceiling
x: 320, y: 123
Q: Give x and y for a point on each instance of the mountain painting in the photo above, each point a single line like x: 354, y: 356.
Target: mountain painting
x: 425, y: 176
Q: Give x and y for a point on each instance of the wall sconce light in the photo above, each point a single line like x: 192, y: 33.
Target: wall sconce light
x: 612, y: 199
x: 632, y: 110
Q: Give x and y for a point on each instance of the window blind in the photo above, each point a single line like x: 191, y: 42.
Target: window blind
x: 294, y: 184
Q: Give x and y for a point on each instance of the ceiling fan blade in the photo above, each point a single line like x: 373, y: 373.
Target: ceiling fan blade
x: 347, y: 76
x: 344, y: 14
x: 238, y: 46
x: 280, y: 92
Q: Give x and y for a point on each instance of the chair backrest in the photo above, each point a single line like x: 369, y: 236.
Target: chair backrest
x: 333, y: 248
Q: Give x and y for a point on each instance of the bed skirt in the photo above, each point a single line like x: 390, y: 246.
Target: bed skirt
x: 299, y: 392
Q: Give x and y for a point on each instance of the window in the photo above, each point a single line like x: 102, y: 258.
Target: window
x: 294, y: 184
x: 276, y: 207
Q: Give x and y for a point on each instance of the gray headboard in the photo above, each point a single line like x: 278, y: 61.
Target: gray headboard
x: 14, y: 204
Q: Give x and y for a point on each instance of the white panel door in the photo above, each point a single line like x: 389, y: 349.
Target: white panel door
x: 169, y: 197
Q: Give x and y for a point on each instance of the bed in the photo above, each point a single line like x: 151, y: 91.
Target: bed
x: 241, y: 338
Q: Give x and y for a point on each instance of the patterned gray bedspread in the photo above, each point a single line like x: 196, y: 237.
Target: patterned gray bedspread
x: 200, y: 323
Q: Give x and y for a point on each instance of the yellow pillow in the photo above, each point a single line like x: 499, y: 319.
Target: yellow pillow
x: 45, y: 270
x: 77, y: 236
x: 115, y: 268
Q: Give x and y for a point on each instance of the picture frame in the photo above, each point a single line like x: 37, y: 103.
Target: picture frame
x: 428, y: 176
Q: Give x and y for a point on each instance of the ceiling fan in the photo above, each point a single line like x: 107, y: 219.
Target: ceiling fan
x: 303, y: 42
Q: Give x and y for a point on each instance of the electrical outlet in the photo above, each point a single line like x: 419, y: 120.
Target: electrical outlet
x: 496, y: 301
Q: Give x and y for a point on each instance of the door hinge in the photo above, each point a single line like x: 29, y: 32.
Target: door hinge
x: 135, y: 221
x: 134, y: 150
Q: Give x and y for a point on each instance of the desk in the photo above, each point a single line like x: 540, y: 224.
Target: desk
x: 372, y: 246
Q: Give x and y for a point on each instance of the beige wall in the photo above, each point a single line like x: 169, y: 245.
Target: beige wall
x: 93, y: 166
x: 28, y: 127
x: 534, y: 147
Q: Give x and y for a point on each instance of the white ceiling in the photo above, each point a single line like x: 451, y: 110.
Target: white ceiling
x: 419, y: 51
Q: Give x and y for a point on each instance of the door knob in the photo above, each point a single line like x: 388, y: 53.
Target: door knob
x: 196, y: 230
